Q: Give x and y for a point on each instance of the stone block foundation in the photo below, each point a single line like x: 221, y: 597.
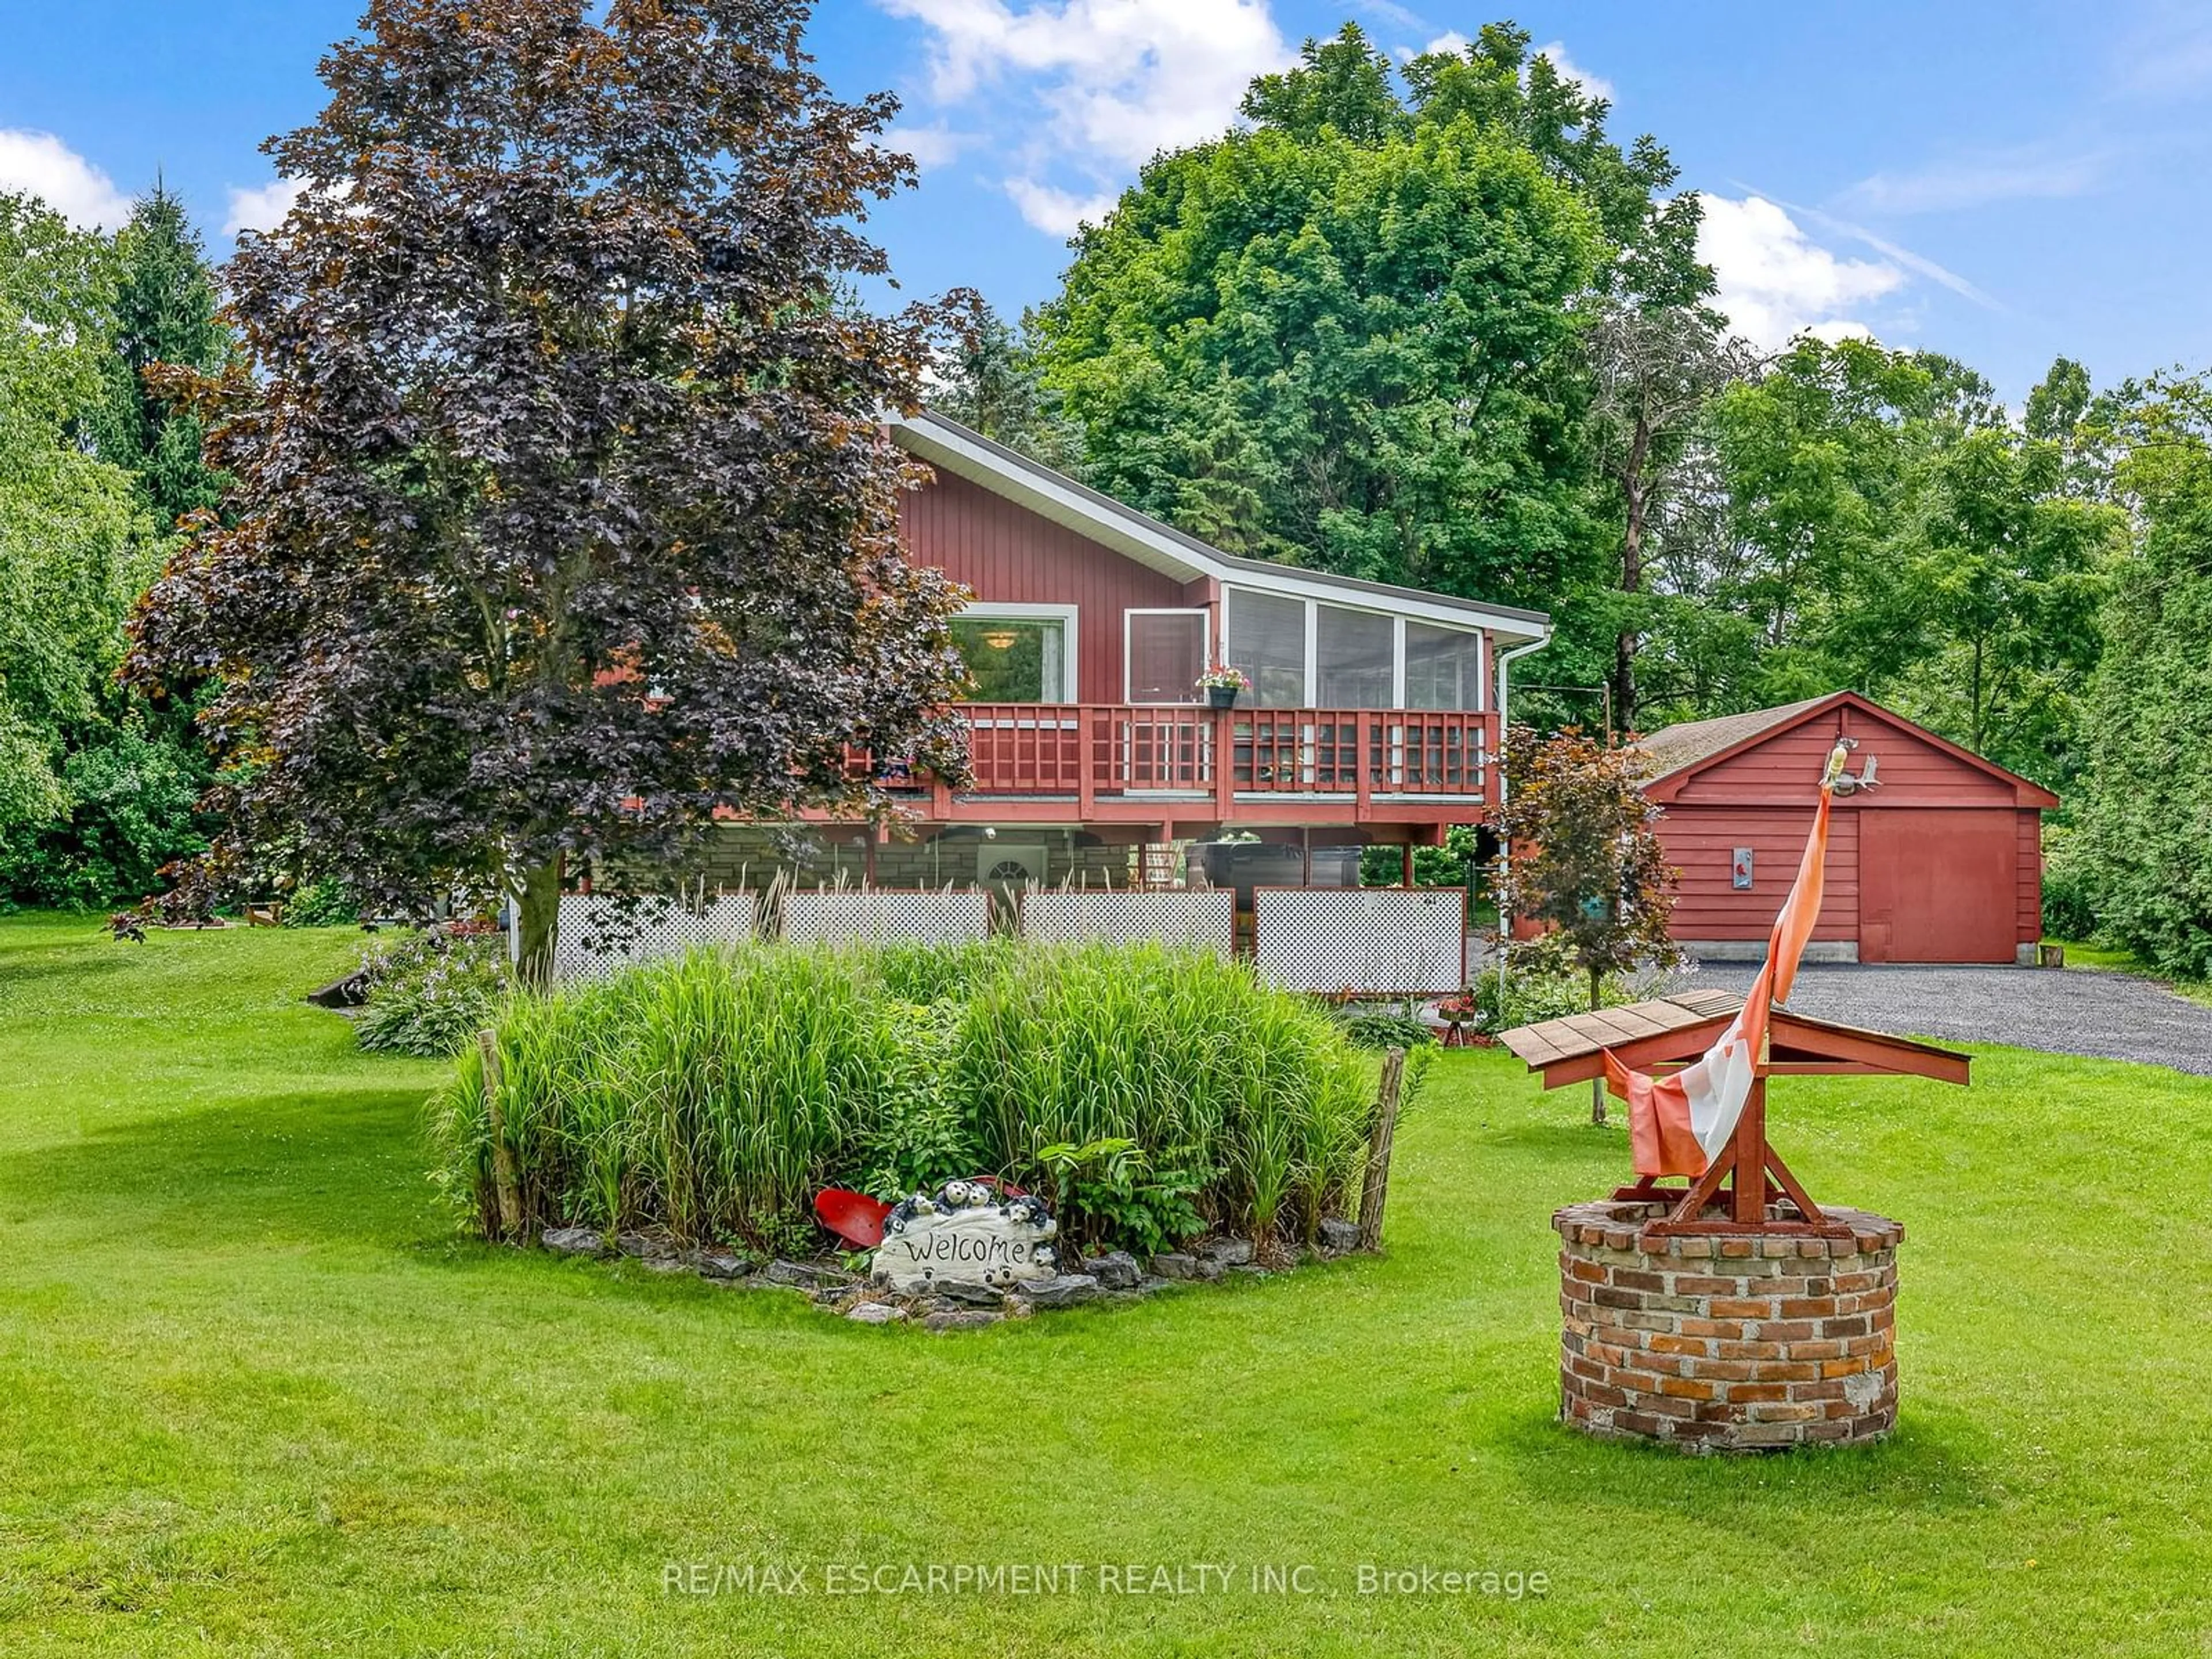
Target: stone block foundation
x: 1726, y: 1342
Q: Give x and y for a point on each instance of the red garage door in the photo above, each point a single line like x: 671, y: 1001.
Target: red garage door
x: 1938, y: 885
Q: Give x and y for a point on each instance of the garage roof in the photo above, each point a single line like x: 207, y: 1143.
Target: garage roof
x: 1674, y: 747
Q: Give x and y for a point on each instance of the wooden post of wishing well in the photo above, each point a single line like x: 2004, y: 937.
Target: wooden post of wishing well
x: 1376, y: 1191
x: 503, y: 1183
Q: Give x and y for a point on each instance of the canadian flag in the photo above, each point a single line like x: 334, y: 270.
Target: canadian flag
x: 1677, y: 1125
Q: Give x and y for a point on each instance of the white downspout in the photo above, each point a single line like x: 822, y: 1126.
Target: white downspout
x: 1505, y: 712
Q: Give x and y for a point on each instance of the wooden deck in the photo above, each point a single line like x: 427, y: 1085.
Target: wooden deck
x: 1093, y: 762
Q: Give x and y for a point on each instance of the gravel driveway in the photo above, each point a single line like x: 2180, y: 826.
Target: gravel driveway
x: 2111, y: 1015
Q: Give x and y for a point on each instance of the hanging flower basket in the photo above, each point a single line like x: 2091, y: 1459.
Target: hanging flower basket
x: 1222, y: 685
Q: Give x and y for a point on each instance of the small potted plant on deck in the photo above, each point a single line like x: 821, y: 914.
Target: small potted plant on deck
x: 1222, y: 684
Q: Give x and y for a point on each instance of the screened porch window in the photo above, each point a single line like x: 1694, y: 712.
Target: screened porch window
x: 1167, y: 654
x: 1017, y: 658
x: 1267, y: 641
x: 1305, y: 653
x: 1443, y: 668
x: 1355, y: 652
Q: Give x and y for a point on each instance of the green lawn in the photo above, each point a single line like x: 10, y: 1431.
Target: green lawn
x: 256, y: 1396
x: 2085, y: 953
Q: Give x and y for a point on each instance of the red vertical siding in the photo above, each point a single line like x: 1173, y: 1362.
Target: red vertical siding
x: 2031, y: 877
x: 1007, y: 554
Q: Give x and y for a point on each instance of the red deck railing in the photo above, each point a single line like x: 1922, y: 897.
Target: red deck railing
x: 1087, y: 751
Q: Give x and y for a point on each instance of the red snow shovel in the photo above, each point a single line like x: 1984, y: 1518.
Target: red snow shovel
x: 854, y: 1216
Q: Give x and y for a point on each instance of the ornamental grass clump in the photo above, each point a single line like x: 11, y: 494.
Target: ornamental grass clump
x: 714, y: 1094
x: 710, y: 1095
x: 1244, y: 1095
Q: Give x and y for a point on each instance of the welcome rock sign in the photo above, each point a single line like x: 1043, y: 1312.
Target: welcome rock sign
x: 966, y: 1233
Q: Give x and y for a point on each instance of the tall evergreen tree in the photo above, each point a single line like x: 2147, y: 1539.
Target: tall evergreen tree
x: 165, y: 313
x: 988, y: 379
x: 2146, y: 816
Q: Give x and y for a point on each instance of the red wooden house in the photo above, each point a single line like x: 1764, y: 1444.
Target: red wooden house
x: 1373, y: 717
x: 1940, y: 861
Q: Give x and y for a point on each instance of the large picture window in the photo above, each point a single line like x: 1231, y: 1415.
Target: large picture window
x: 1017, y: 656
x: 1306, y: 654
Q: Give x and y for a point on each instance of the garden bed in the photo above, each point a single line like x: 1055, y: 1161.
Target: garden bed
x: 1147, y: 1096
x: 830, y: 1283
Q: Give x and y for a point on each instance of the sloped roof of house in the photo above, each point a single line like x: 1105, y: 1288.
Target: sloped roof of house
x: 1674, y: 753
x: 1673, y: 747
x: 944, y: 442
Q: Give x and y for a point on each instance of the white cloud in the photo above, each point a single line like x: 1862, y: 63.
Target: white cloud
x: 41, y: 164
x: 1082, y: 91
x: 1947, y: 186
x: 1451, y: 41
x: 931, y: 147
x: 1775, y: 281
x: 1919, y: 264
x: 262, y: 208
x: 1058, y: 212
x: 2168, y: 53
x: 1594, y: 85
x: 1391, y: 12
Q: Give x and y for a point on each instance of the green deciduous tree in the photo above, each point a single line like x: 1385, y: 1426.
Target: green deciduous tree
x: 73, y: 546
x: 1891, y: 528
x: 2001, y: 572
x: 131, y: 772
x: 1817, y: 464
x: 1342, y: 338
x: 564, y: 521
x: 1654, y: 370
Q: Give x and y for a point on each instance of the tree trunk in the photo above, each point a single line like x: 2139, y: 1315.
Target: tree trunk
x: 1598, y: 1083
x: 1637, y: 490
x: 538, y: 906
x: 1976, y: 723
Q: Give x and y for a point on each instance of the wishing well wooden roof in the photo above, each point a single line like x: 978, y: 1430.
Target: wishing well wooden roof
x: 1681, y: 1027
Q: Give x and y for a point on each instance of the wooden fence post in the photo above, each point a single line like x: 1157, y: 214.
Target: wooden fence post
x: 503, y: 1181
x: 1377, y: 1192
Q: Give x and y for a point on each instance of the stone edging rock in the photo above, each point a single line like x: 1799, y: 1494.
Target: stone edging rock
x: 1115, y: 1276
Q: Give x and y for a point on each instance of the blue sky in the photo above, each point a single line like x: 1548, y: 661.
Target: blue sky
x: 2002, y: 181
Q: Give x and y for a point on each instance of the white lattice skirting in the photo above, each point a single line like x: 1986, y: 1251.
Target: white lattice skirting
x: 880, y: 916
x: 1370, y: 941
x: 598, y: 934
x: 1207, y: 919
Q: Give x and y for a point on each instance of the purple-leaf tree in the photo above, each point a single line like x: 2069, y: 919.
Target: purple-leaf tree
x: 563, y: 520
x: 1584, y: 861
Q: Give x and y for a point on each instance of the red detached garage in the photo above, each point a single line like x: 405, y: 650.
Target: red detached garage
x: 1942, y: 861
